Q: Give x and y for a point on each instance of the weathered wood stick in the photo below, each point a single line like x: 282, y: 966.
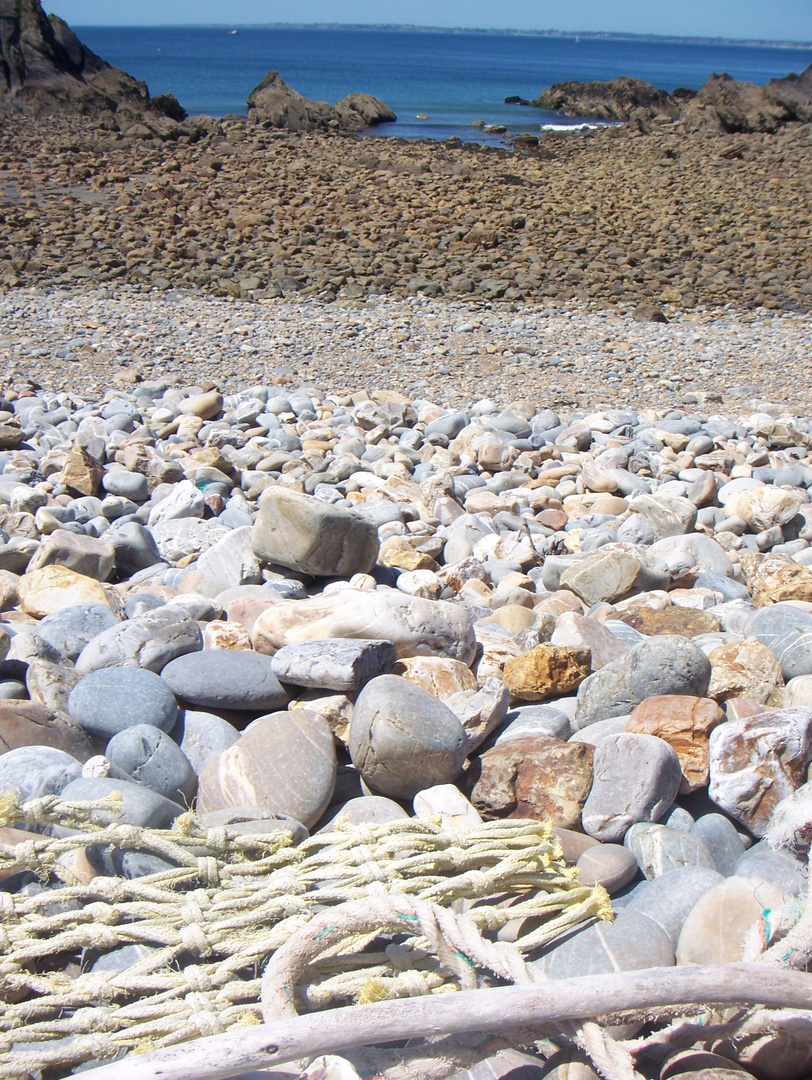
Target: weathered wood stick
x: 542, y: 1004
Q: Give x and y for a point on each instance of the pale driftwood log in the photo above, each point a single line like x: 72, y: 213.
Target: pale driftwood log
x: 494, y: 1010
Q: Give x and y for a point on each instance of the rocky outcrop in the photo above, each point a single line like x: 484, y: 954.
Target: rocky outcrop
x: 727, y: 105
x: 278, y: 105
x: 722, y: 104
x: 358, y: 111
x: 45, y: 69
x: 620, y: 99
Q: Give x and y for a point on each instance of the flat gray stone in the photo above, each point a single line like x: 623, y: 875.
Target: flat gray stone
x: 226, y: 679
x: 345, y: 664
x: 527, y: 721
x: 34, y: 771
x: 630, y: 943
x: 202, y: 736
x: 669, y: 899
x: 70, y: 629
x: 139, y: 805
x: 659, y: 849
x: 152, y: 758
x: 148, y: 641
x: 110, y: 700
x: 366, y: 810
x: 722, y: 841
x: 284, y: 763
x: 403, y: 739
x: 776, y: 867
x: 636, y: 778
x: 135, y: 548
x: 305, y: 534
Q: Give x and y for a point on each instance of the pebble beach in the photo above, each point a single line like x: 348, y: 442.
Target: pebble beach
x: 460, y: 525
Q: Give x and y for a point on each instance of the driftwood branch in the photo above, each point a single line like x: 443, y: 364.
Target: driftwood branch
x: 485, y: 1011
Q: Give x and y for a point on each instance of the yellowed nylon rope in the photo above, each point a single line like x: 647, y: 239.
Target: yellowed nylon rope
x: 231, y: 904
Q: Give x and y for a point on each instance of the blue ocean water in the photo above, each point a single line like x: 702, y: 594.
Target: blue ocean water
x: 455, y: 78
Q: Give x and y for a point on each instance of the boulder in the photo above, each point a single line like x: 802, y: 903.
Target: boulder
x: 313, y: 537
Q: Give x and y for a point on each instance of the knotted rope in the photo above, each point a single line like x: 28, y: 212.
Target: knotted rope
x: 232, y: 901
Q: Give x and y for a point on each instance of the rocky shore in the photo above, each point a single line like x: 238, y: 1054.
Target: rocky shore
x: 282, y: 604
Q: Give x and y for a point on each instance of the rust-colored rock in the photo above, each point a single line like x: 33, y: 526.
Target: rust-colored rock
x: 746, y: 669
x: 777, y: 578
x: 547, y: 671
x: 685, y: 723
x: 409, y: 560
x: 81, y: 473
x: 27, y: 723
x: 685, y: 622
x: 540, y: 778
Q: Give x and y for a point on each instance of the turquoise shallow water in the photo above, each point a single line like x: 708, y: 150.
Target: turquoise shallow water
x: 453, y: 77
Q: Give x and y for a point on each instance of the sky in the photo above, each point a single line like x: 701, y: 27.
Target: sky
x: 773, y: 20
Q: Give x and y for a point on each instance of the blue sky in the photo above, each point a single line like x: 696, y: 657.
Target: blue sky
x: 776, y: 20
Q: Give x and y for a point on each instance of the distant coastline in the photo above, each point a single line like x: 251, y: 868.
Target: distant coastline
x: 591, y: 35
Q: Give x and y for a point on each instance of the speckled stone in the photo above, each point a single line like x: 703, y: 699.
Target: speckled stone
x: 112, y: 699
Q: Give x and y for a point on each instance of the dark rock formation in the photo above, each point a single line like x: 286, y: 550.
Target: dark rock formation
x: 45, y: 69
x: 722, y: 104
x: 277, y: 104
x: 727, y: 105
x: 358, y: 111
x: 620, y: 99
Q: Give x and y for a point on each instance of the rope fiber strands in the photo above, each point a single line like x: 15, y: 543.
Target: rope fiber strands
x: 230, y: 901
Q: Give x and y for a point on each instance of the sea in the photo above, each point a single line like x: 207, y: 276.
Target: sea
x: 438, y: 82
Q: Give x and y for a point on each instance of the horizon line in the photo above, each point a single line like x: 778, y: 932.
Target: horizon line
x: 513, y: 31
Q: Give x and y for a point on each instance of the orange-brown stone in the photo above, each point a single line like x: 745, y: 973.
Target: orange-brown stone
x: 685, y: 723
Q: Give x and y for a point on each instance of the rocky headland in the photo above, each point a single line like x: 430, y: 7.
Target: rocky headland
x: 722, y: 104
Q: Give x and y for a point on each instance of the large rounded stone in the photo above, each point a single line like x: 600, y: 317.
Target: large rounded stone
x: 539, y: 778
x: 763, y: 507
x: 416, y: 627
x: 136, y: 804
x: 402, y: 739
x: 757, y: 761
x: 602, y: 576
x: 745, y: 669
x: 226, y: 679
x: 27, y: 723
x: 148, y: 641
x: 669, y: 899
x: 779, y: 868
x: 715, y: 931
x: 151, y: 758
x: 42, y: 592
x: 112, y: 699
x: 34, y: 771
x: 70, y: 629
x: 311, y: 536
x: 630, y: 943
x: 609, y: 865
x: 284, y: 763
x: 202, y: 736
x: 659, y: 850
x: 721, y: 840
x: 685, y: 723
x: 636, y: 778
x: 659, y: 666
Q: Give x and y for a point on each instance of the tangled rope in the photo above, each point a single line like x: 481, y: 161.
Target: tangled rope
x: 232, y: 901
